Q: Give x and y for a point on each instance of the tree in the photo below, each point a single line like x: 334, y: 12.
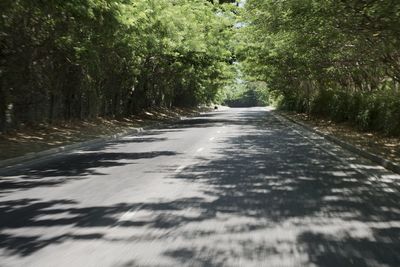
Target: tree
x: 85, y: 58
x: 343, y: 66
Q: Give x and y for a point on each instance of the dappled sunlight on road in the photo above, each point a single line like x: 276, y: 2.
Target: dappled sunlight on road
x: 258, y: 193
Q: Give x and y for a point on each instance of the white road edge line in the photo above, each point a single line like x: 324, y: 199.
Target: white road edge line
x: 343, y: 161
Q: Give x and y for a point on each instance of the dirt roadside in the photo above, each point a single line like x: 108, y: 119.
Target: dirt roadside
x: 28, y: 139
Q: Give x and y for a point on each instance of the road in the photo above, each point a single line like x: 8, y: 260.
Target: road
x: 236, y: 187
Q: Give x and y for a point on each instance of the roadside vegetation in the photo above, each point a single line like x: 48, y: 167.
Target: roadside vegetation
x: 82, y: 59
x: 85, y: 59
x: 333, y: 59
x: 246, y: 94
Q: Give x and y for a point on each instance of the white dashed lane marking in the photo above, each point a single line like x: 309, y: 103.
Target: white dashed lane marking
x: 180, y: 168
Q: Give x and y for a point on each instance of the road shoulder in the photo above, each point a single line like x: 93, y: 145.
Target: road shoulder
x: 363, y: 148
x: 30, y: 144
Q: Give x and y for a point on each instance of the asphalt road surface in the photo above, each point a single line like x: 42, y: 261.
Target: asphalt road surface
x: 236, y: 187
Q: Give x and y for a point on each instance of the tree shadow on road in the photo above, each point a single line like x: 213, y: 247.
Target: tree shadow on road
x: 266, y: 196
x: 281, y: 183
x: 73, y: 167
